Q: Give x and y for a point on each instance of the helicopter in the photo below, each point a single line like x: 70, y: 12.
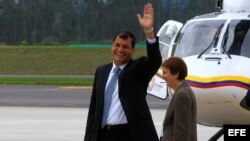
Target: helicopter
x: 216, y: 49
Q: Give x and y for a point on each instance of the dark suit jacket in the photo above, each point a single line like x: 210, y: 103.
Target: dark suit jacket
x: 133, y: 82
x: 180, y: 120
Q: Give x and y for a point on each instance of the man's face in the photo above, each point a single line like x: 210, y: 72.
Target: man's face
x: 122, y: 51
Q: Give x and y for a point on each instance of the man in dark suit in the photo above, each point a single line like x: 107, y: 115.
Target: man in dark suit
x: 125, y: 115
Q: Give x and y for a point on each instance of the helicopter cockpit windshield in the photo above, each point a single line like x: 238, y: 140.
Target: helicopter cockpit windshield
x: 197, y: 37
x: 239, y: 38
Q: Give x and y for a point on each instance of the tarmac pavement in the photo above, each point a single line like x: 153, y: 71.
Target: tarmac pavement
x: 61, y: 124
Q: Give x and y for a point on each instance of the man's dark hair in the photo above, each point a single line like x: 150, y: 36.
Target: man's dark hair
x: 125, y: 35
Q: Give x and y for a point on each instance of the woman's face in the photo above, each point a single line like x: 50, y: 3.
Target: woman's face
x: 170, y: 78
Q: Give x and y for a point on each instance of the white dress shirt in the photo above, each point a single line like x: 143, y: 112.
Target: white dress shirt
x: 116, y: 113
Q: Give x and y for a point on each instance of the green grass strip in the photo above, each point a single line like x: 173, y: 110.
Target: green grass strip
x: 47, y: 81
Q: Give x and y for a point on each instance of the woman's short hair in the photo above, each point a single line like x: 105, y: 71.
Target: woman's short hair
x: 176, y: 65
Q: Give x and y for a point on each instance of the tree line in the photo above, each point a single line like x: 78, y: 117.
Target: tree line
x: 85, y: 21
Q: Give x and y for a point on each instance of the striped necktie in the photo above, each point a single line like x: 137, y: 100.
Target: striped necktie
x: 108, y: 94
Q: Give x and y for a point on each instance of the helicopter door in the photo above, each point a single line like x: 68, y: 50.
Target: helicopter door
x: 167, y: 34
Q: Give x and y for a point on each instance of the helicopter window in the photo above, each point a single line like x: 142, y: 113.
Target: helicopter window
x: 164, y: 41
x: 239, y: 35
x: 163, y: 36
x: 245, y: 46
x: 196, y: 37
